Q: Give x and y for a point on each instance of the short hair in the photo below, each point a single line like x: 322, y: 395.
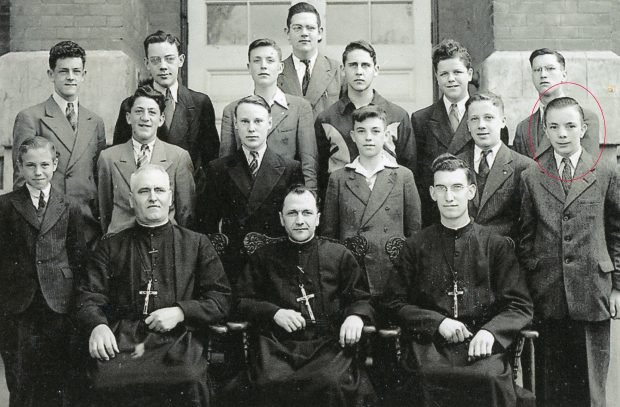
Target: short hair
x: 302, y: 7
x: 253, y: 100
x: 486, y: 97
x: 368, y: 112
x: 449, y: 162
x: 33, y: 143
x: 361, y: 45
x: 147, y: 91
x: 299, y: 189
x: 560, y: 103
x: 161, y: 36
x: 547, y: 51
x: 147, y: 168
x: 66, y: 49
x: 264, y: 42
x: 448, y: 49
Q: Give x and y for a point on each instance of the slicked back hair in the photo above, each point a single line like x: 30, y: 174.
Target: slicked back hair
x: 159, y: 37
x: 302, y: 7
x: 562, y: 102
x: 369, y: 112
x: 449, y: 162
x: 253, y: 100
x: 486, y: 97
x: 33, y: 143
x: 300, y: 189
x: 264, y: 42
x: 547, y: 51
x: 362, y: 45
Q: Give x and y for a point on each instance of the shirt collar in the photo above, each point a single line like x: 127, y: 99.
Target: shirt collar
x: 574, y: 158
x: 460, y: 105
x: 62, y: 103
x: 301, y: 66
x: 383, y: 164
x: 34, y: 193
x: 280, y: 98
x: 261, y: 153
x: 174, y: 90
x: 347, y: 106
x: 137, y: 146
x: 478, y: 153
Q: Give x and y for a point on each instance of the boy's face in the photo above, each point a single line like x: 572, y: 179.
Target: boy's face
x: 151, y: 197
x: 37, y: 167
x: 452, y: 193
x: 67, y: 77
x: 265, y: 66
x: 252, y: 123
x: 453, y: 78
x: 163, y: 62
x: 485, y: 122
x: 360, y: 70
x: 546, y: 72
x: 304, y: 34
x: 565, y: 129
x: 299, y: 216
x: 145, y: 118
x: 369, y: 136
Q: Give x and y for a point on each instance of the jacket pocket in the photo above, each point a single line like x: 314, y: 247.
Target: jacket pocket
x: 606, y: 266
x: 67, y: 272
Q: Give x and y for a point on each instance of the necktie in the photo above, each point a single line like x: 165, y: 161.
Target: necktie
x: 306, y: 79
x: 71, y: 116
x: 483, y: 171
x: 566, y: 175
x: 144, y: 155
x: 169, y: 110
x: 254, y: 164
x: 454, y: 117
x: 41, y: 202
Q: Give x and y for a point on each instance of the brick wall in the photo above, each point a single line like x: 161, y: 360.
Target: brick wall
x: 165, y: 15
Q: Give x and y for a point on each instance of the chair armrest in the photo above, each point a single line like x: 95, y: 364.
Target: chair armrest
x: 529, y: 334
x: 392, y: 332
x: 218, y: 329
x: 237, y: 326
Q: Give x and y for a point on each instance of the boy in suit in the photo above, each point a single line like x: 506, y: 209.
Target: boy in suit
x: 117, y: 163
x: 333, y: 126
x: 190, y: 118
x: 570, y: 248
x: 497, y: 168
x: 41, y: 235
x: 245, y: 189
x: 307, y: 72
x: 292, y: 132
x: 372, y: 196
x: 440, y: 128
x: 549, y: 69
x: 77, y: 133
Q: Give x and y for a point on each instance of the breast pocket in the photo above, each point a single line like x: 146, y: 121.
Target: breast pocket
x: 67, y: 272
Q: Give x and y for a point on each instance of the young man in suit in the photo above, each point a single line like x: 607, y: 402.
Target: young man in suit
x: 333, y: 126
x: 372, y: 197
x: 497, y: 168
x: 292, y: 132
x: 117, y: 163
x: 42, y: 240
x: 440, y: 128
x: 77, y: 133
x: 307, y: 72
x: 570, y: 249
x: 190, y: 118
x: 548, y: 70
x: 245, y: 189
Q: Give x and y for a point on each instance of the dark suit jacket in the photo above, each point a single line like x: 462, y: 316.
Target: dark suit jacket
x: 291, y: 134
x: 325, y: 85
x: 500, y: 203
x: 570, y: 245
x: 116, y: 165
x: 77, y: 154
x: 521, y: 142
x: 434, y: 136
x: 35, y: 256
x: 192, y: 128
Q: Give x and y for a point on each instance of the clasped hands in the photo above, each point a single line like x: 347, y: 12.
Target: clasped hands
x: 481, y: 345
x: 350, y: 330
x: 102, y: 343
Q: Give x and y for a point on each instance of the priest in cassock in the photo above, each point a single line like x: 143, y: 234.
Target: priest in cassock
x: 461, y: 299
x: 148, y: 296
x: 307, y: 301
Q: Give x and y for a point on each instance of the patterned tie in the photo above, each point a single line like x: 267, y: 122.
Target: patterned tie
x: 144, y: 157
x: 566, y: 175
x: 306, y: 80
x: 41, y: 202
x: 254, y: 164
x: 454, y: 117
x: 483, y: 171
x: 169, y: 110
x: 71, y: 116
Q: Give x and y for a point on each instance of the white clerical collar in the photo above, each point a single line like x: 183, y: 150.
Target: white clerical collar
x: 490, y: 158
x: 574, y: 159
x: 261, y: 153
x: 460, y: 105
x: 174, y: 90
x: 152, y: 226
x: 62, y: 103
x: 34, y: 194
x: 304, y: 242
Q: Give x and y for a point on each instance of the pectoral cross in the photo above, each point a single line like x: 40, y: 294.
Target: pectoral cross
x: 306, y: 299
x: 147, y: 294
x: 455, y: 295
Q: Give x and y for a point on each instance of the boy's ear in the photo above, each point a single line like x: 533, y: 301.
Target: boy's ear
x: 280, y: 212
x: 127, y: 116
x: 55, y: 161
x: 431, y: 190
x: 132, y: 203
x: 471, y: 191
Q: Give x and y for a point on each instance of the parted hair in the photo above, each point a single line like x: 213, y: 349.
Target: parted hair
x: 361, y: 45
x: 562, y: 102
x: 147, y: 91
x: 449, y: 162
x: 368, y: 112
x: 547, y: 51
x: 33, y: 143
x: 302, y: 7
x: 161, y: 36
x: 448, y: 49
x: 486, y: 97
x: 66, y: 49
x: 264, y: 42
x: 253, y: 100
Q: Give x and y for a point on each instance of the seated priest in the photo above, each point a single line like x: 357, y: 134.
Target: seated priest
x: 307, y: 302
x: 461, y: 299
x: 148, y: 294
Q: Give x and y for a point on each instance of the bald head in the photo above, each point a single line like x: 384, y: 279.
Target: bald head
x: 150, y: 194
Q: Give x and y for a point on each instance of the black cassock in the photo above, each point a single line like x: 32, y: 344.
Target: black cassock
x: 153, y: 368
x: 307, y: 367
x: 494, y: 298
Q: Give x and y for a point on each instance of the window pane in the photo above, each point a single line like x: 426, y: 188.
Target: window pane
x: 392, y: 23
x: 227, y: 24
x: 347, y: 22
x: 268, y: 21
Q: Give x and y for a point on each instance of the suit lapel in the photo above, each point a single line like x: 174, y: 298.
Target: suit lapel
x: 440, y: 124
x: 238, y: 172
x: 322, y: 74
x: 289, y: 75
x: 552, y: 185
x: 383, y: 186
x: 500, y: 172
x: 53, y: 212
x: 539, y: 137
x: 269, y: 173
x: 126, y: 163
x: 358, y: 186
x: 159, y: 156
x: 56, y: 121
x: 579, y: 186
x: 86, y: 128
x: 461, y: 135
x: 278, y: 113
x: 23, y: 205
x: 184, y: 106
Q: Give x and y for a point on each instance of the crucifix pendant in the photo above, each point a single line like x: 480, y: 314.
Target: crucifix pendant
x: 455, y: 296
x: 147, y: 293
x: 305, y: 298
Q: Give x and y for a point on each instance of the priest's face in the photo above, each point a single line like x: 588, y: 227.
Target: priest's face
x: 150, y: 196
x: 300, y: 216
x: 452, y: 192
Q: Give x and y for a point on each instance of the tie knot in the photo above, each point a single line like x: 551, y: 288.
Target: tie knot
x: 145, y: 148
x: 454, y: 106
x: 254, y: 154
x: 70, y: 106
x: 41, y: 200
x: 485, y: 153
x: 306, y: 62
x: 566, y: 161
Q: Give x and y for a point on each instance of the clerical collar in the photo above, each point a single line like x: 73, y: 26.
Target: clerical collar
x: 457, y: 232
x: 302, y: 244
x: 155, y: 229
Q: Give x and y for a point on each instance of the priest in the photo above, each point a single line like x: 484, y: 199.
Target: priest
x: 461, y: 299
x: 307, y: 302
x: 148, y: 295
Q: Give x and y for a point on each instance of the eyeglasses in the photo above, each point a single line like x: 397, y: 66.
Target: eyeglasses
x: 549, y: 69
x: 170, y: 59
x: 455, y: 189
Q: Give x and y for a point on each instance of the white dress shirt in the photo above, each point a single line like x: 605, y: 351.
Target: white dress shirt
x: 300, y: 67
x: 490, y: 157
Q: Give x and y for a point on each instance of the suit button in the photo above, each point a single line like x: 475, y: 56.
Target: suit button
x: 39, y: 262
x: 568, y: 260
x: 565, y: 218
x: 567, y: 238
x: 385, y: 229
x: 68, y: 176
x: 387, y: 208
